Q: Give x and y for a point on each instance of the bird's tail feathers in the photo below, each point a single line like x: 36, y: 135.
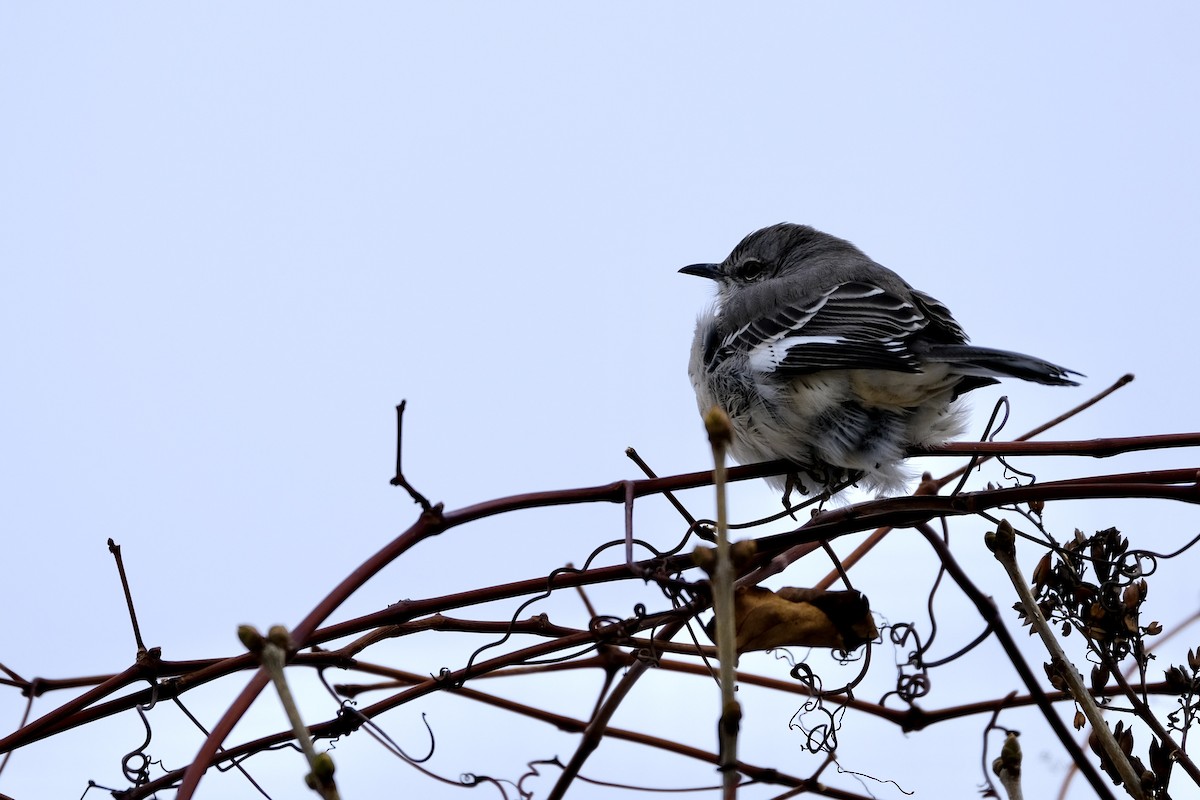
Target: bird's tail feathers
x: 984, y: 362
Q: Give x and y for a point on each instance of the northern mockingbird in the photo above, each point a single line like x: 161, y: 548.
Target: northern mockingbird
x: 822, y: 357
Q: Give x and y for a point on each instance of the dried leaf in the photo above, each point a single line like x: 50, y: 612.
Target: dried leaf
x: 1043, y: 571
x: 1100, y: 676
x: 801, y: 617
x: 1124, y: 738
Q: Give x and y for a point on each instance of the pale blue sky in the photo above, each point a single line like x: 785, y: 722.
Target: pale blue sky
x: 233, y: 236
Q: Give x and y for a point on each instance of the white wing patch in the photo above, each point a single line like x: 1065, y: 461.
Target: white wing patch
x: 768, y: 355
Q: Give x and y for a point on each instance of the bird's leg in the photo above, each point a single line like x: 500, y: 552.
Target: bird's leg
x: 792, y: 482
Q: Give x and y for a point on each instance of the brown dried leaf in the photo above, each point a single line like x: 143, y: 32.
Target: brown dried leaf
x: 1043, y: 571
x: 802, y: 618
x: 1124, y: 738
x: 1099, y: 678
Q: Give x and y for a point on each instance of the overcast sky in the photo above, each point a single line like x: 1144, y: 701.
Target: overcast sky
x: 233, y: 236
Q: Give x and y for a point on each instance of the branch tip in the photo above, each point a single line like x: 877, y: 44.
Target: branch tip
x: 718, y: 426
x: 1003, y: 542
x: 399, y: 479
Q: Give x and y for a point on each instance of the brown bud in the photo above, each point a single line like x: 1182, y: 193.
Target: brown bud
x: 250, y: 638
x: 323, y: 767
x: 742, y: 553
x: 1010, y: 757
x: 1003, y: 540
x: 279, y: 636
x: 705, y: 558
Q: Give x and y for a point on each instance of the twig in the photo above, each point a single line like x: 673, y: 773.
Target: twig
x: 115, y: 549
x: 633, y: 456
x: 399, y: 479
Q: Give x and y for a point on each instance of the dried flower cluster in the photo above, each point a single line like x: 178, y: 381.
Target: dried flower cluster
x: 1105, y: 609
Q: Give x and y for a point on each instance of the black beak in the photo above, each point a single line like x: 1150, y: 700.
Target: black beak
x: 711, y: 271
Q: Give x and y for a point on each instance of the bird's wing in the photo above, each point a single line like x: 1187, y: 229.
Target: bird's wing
x: 942, y: 326
x: 854, y: 325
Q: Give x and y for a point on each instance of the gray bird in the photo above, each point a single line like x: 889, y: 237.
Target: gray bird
x: 827, y: 359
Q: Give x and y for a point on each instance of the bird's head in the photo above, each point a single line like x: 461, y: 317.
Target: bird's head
x: 756, y: 272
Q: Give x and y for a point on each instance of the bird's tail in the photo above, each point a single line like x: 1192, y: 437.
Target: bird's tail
x: 984, y: 362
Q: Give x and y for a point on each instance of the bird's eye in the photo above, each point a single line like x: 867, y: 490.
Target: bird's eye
x: 751, y: 270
